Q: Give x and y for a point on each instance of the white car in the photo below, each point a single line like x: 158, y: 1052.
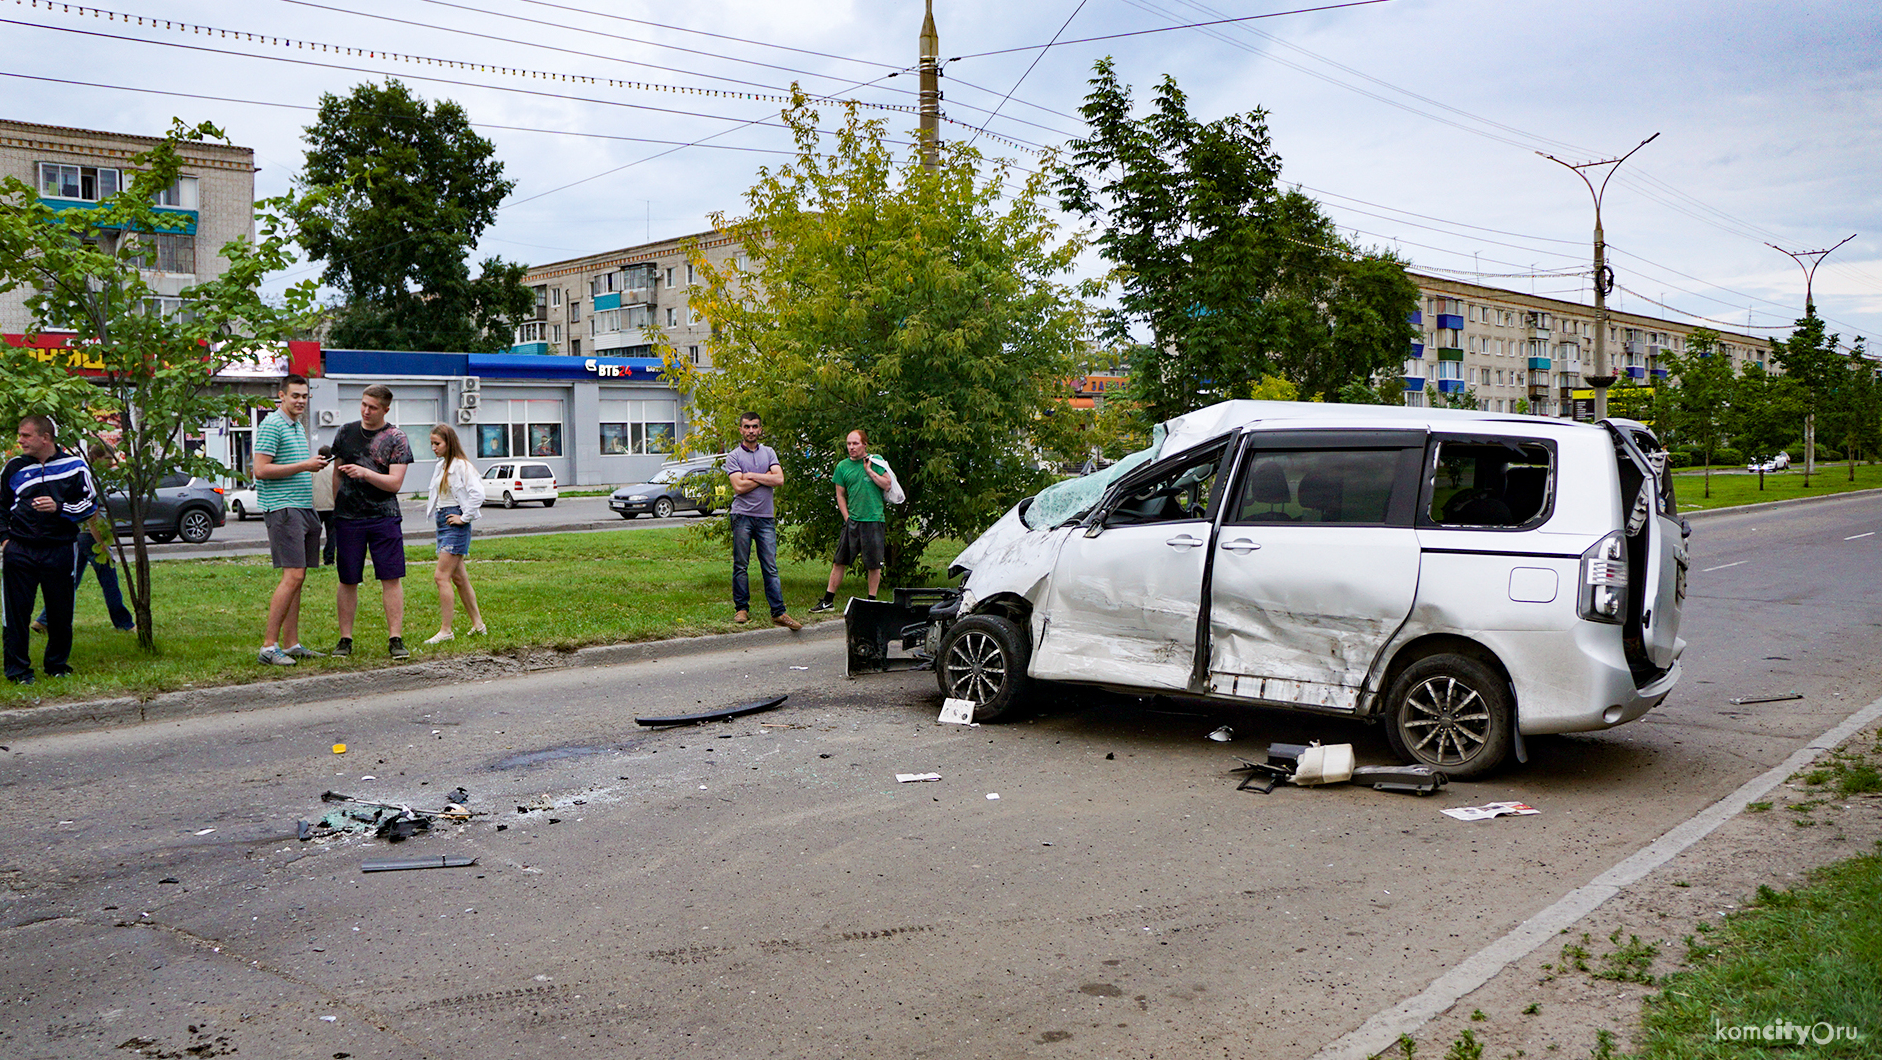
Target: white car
x: 243, y: 503
x: 513, y: 482
x: 1463, y: 578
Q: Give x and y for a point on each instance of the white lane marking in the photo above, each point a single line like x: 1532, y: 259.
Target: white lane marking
x: 1722, y: 566
x: 1379, y: 1033
x: 1853, y: 537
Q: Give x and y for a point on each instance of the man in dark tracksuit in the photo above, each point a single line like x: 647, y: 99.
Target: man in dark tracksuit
x: 45, y: 493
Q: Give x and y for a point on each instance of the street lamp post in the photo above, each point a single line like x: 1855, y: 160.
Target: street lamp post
x: 1810, y: 308
x: 1603, y: 276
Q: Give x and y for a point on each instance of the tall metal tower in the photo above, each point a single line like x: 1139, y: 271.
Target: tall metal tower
x: 930, y: 91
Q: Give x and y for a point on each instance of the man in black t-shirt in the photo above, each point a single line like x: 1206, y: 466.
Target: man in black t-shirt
x: 370, y: 458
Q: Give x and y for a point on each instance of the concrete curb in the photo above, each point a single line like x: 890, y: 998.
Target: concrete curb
x: 260, y: 695
x: 1766, y: 506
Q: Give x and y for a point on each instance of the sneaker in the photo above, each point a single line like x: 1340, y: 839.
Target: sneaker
x: 23, y: 679
x: 741, y: 616
x: 274, y: 656
x: 38, y: 626
x: 302, y: 651
x: 786, y: 621
x: 821, y: 606
x: 440, y: 637
x: 343, y: 648
x: 396, y: 645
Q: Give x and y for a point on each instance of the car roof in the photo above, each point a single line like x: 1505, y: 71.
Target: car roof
x: 1195, y: 428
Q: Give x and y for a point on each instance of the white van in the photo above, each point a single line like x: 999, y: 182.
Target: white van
x: 1465, y: 578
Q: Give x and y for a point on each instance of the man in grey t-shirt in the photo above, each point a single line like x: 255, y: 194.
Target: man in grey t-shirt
x: 753, y: 468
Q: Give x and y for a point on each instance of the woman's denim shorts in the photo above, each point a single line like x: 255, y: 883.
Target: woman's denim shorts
x: 453, y: 539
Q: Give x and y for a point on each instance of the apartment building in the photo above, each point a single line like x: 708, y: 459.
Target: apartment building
x: 214, y: 200
x: 600, y: 305
x: 1529, y: 353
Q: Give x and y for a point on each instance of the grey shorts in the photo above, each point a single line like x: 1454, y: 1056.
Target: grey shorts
x: 293, y: 537
x: 865, y: 540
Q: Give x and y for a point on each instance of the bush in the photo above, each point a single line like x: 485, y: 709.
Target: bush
x: 1727, y: 456
x: 1796, y: 455
x: 1678, y: 458
x: 1826, y: 454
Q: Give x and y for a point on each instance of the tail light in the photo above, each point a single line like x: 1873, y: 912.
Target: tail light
x: 1603, y: 595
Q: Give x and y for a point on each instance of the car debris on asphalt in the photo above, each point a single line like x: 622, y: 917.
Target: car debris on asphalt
x: 1411, y: 780
x: 391, y: 822
x: 1489, y: 810
x: 957, y: 712
x: 1223, y: 735
x: 1776, y: 697
x: 915, y: 778
x: 1316, y: 765
x: 713, y: 715
x: 442, y: 861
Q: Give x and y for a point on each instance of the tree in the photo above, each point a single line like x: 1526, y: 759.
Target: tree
x: 1853, y: 413
x: 1232, y: 276
x: 1698, y: 407
x: 411, y: 187
x: 1765, y: 412
x: 917, y: 304
x: 1809, y: 358
x: 155, y: 380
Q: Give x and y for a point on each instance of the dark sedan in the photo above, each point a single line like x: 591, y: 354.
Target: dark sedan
x: 672, y: 489
x: 183, y: 506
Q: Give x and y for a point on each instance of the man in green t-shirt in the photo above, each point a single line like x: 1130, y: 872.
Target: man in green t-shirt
x: 284, y: 486
x: 859, y: 486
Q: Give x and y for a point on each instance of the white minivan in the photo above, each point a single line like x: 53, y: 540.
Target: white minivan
x: 1464, y: 578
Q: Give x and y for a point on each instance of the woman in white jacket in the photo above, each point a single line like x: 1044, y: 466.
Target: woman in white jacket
x: 457, y: 497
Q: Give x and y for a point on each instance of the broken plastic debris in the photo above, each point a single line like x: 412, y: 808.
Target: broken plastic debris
x: 800, y: 667
x: 441, y: 861
x: 1777, y: 697
x: 956, y: 712
x: 993, y: 796
x: 1488, y: 810
x: 1414, y: 780
x: 339, y: 748
x: 713, y: 715
x: 1331, y: 764
x: 1222, y: 735
x: 915, y: 778
x: 205, y: 831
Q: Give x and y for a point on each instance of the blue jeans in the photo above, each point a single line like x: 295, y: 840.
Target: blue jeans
x: 121, y: 616
x: 764, y: 530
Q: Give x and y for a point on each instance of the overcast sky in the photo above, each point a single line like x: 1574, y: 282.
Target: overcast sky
x: 1414, y: 121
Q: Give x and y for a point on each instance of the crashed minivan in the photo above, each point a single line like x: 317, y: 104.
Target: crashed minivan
x: 1463, y: 578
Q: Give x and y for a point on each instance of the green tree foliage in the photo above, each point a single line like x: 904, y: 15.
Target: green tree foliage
x: 1699, y: 406
x: 919, y: 305
x: 1230, y: 275
x: 1811, y: 361
x: 155, y: 381
x: 411, y: 187
x: 1766, y: 412
x: 1853, y: 413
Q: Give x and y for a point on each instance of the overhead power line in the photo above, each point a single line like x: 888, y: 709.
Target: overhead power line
x: 1167, y: 29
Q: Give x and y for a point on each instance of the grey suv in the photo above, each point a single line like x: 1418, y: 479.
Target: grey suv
x: 182, y: 506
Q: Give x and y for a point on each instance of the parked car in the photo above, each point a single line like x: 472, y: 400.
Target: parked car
x: 1780, y: 462
x: 243, y: 502
x: 182, y: 506
x: 1466, y: 579
x: 671, y: 489
x: 514, y: 481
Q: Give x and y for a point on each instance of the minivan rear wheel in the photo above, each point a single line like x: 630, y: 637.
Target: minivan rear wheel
x: 983, y: 660
x: 1452, y: 713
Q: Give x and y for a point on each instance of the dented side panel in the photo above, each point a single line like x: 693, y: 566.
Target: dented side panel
x: 1121, y: 608
x: 1299, y: 612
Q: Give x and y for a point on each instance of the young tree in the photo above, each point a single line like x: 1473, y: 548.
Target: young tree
x: 1853, y: 412
x: 1697, y: 407
x: 155, y: 380
x: 917, y: 304
x: 1231, y: 276
x: 1766, y: 412
x: 411, y: 187
x: 1809, y: 358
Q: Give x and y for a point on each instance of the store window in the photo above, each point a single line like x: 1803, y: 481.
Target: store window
x: 416, y: 417
x: 519, y: 428
x: 633, y: 428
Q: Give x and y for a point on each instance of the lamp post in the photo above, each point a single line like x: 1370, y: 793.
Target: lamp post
x: 1603, y: 276
x: 1810, y: 309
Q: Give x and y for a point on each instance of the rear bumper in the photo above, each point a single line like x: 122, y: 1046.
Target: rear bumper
x: 1576, y: 684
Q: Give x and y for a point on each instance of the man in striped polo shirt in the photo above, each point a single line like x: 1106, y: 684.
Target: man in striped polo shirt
x: 45, y: 493
x: 284, y: 486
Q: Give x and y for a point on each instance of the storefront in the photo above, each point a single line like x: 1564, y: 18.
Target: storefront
x: 593, y: 420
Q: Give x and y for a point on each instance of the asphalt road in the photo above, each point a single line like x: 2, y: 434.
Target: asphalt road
x: 577, y: 514
x: 766, y: 888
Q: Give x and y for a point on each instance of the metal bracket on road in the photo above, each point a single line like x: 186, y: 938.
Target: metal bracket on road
x: 874, y: 625
x: 441, y: 861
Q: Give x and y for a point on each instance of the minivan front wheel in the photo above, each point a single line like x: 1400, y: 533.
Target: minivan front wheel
x: 983, y: 660
x: 1452, y: 713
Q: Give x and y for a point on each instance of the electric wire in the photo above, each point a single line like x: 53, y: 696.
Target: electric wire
x: 1167, y: 29
x: 1030, y: 66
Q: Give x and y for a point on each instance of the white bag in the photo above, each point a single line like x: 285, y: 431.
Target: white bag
x: 893, y: 494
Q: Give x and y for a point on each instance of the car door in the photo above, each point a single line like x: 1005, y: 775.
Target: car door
x: 1316, y: 564
x: 1663, y: 563
x: 1123, y: 600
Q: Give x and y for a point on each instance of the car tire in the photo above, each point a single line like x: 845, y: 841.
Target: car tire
x: 161, y: 537
x: 508, y: 501
x: 1452, y: 713
x: 983, y: 660
x: 629, y: 515
x: 195, y: 526
x: 550, y: 503
x: 241, y: 513
x: 705, y: 510
x: 663, y: 508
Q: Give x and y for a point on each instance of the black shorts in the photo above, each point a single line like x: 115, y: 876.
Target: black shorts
x: 861, y: 539
x: 355, y: 537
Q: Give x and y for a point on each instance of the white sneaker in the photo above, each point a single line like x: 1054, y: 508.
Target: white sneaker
x: 274, y: 656
x: 440, y: 637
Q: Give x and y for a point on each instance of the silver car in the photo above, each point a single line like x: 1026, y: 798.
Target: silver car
x: 1464, y: 578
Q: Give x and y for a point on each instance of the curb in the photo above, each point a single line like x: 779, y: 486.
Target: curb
x: 260, y: 695
x: 1765, y: 506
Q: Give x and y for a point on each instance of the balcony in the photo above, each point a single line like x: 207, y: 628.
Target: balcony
x: 1454, y: 321
x: 1450, y: 386
x: 1659, y: 373
x: 1635, y: 371
x: 1418, y: 349
x: 1417, y: 317
x: 1540, y: 364
x: 1450, y: 354
x: 1414, y: 382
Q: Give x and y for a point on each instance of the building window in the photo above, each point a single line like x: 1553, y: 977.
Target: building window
x: 167, y: 251
x: 692, y: 354
x: 169, y: 307
x: 575, y: 346
x: 671, y: 315
x: 519, y: 429
x: 692, y: 317
x: 1448, y: 369
x: 89, y: 183
x: 555, y: 334
x: 636, y: 428
x: 669, y: 276
x: 575, y: 310
x: 606, y: 320
x: 181, y: 194
x: 416, y: 417
x: 532, y: 331
x: 555, y: 296
x: 689, y: 274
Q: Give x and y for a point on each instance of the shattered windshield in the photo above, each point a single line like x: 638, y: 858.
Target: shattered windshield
x: 1074, y: 497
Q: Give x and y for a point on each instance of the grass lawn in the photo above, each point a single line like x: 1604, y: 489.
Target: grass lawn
x: 559, y: 590
x: 1733, y: 487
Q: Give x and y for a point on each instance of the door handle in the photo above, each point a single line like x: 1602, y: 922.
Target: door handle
x: 1240, y: 545
x: 1184, y: 541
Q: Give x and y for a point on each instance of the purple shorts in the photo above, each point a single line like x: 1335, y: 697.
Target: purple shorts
x: 353, y: 538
